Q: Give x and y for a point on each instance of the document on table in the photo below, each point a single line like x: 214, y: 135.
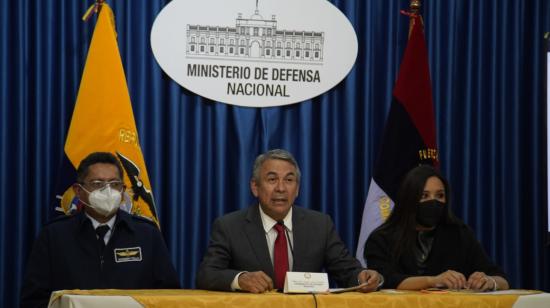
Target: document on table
x: 350, y: 289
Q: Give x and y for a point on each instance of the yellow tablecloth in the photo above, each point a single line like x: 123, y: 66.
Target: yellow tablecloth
x: 201, y: 298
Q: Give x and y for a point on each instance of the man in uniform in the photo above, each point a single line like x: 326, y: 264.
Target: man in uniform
x: 100, y: 247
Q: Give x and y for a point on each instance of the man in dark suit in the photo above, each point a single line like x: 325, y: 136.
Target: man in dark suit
x: 243, y: 254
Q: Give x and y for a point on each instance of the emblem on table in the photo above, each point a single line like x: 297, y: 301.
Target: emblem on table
x: 132, y: 254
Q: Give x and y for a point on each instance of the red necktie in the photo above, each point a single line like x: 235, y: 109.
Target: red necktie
x: 280, y: 257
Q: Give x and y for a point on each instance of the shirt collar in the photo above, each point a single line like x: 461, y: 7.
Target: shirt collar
x: 269, y: 222
x: 96, y: 223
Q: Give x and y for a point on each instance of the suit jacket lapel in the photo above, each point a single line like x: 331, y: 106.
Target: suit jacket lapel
x: 255, y: 233
x: 300, y: 238
x: 85, y: 235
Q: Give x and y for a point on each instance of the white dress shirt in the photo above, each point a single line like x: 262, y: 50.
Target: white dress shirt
x: 270, y: 236
x: 110, y: 223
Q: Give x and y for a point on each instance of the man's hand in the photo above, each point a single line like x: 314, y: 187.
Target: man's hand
x: 255, y: 282
x: 372, y: 279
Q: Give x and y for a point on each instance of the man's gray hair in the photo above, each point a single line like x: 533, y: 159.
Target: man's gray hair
x: 274, y: 154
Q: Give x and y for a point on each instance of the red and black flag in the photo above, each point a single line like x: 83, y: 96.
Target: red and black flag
x: 409, y: 136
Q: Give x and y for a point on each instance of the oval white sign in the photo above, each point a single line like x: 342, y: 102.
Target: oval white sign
x: 254, y: 53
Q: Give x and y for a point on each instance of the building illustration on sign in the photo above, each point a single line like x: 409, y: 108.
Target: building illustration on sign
x: 255, y: 39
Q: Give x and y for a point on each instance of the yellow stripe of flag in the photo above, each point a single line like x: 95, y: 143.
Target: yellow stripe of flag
x: 103, y: 119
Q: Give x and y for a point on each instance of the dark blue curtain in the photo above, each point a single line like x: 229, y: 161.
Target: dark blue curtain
x: 487, y: 70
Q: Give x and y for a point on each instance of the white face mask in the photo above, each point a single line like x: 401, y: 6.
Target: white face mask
x: 104, y: 201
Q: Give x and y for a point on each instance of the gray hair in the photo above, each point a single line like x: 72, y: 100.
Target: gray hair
x: 274, y: 154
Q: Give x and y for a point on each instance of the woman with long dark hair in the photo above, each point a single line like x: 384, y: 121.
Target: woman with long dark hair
x: 423, y: 245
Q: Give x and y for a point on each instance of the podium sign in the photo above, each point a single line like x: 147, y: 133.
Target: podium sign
x: 301, y: 282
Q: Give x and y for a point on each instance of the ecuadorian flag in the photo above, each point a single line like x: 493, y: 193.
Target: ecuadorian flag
x: 103, y: 120
x: 409, y: 136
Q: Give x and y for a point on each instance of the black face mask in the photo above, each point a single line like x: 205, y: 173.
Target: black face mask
x: 430, y: 213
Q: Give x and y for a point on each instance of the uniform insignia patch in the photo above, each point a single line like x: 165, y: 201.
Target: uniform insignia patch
x: 131, y: 254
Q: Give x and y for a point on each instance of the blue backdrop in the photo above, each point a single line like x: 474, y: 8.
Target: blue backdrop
x: 487, y: 71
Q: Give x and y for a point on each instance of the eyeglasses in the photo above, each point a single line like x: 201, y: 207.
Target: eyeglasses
x: 97, y: 184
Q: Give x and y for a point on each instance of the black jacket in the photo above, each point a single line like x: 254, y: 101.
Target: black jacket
x: 454, y: 248
x: 66, y: 256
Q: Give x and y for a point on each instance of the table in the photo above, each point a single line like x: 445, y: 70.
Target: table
x: 201, y: 298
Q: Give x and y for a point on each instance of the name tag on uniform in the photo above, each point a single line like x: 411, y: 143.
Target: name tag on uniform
x: 131, y: 254
x: 299, y: 282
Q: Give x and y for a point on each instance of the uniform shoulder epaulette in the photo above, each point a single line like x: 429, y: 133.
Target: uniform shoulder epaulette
x: 143, y: 219
x: 60, y: 218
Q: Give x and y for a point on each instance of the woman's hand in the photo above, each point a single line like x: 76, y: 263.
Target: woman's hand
x: 449, y: 279
x: 480, y: 282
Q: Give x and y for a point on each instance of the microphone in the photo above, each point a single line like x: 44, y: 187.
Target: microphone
x: 282, y: 223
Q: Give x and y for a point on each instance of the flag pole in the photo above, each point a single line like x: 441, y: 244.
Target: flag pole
x: 415, y: 6
x: 93, y: 9
x: 414, y: 10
